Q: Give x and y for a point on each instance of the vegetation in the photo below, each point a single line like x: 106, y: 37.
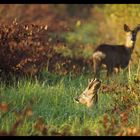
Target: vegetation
x: 33, y: 107
x: 45, y: 61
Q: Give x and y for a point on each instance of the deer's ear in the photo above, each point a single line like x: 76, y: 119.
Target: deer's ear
x: 126, y: 28
x: 137, y: 28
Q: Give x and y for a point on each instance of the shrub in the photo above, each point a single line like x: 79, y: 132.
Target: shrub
x: 26, y: 49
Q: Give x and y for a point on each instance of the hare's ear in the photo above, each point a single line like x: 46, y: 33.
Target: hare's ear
x: 126, y: 28
x: 90, y: 83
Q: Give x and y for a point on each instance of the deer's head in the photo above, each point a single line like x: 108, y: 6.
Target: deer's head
x: 131, y: 35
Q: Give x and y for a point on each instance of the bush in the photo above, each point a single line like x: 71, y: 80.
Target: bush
x: 27, y: 49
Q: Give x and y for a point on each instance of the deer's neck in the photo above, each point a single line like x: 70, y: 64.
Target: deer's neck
x: 130, y: 47
x: 130, y: 43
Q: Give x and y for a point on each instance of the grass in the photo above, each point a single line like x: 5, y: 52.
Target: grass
x: 51, y: 98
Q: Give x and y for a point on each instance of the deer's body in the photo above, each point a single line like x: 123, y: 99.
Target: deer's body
x: 115, y: 56
x: 112, y: 56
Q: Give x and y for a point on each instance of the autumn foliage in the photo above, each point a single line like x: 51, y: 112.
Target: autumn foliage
x: 28, y: 49
x: 55, y: 42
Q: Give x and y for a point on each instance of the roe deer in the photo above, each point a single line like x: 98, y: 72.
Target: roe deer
x: 90, y: 95
x: 115, y: 56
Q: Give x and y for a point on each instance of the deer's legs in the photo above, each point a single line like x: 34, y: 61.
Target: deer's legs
x: 96, y: 68
x: 116, y: 70
x: 109, y: 73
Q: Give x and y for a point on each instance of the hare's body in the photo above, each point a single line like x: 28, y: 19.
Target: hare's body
x: 115, y: 56
x: 90, y: 95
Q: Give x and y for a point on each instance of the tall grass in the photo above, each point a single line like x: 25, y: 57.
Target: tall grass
x: 52, y: 99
